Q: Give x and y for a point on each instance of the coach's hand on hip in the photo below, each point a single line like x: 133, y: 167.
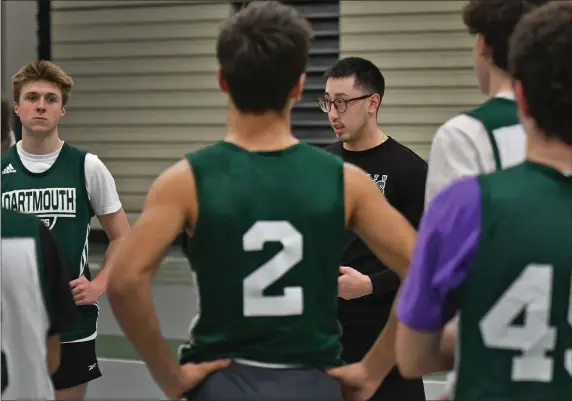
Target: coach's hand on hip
x: 85, y: 292
x: 352, y: 284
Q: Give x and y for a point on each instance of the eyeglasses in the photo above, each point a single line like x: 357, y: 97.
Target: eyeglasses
x: 341, y: 105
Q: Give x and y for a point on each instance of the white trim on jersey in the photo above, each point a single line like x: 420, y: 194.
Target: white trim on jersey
x: 99, y: 182
x: 461, y: 147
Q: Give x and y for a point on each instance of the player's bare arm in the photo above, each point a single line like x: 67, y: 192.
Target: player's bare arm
x: 116, y: 226
x: 384, y: 230
x: 449, y: 342
x: 391, y: 238
x: 420, y: 353
x: 445, y: 251
x: 171, y: 204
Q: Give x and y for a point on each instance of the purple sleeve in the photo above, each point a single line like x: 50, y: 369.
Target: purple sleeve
x: 445, y: 249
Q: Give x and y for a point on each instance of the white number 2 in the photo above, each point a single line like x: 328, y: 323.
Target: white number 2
x: 531, y: 291
x: 255, y: 302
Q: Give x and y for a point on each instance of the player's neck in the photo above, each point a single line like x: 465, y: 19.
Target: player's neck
x: 264, y: 132
x: 371, y: 137
x: 550, y: 152
x: 40, y: 145
x: 500, y: 81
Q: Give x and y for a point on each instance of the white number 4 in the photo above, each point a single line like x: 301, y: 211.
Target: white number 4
x: 531, y: 291
x: 254, y: 301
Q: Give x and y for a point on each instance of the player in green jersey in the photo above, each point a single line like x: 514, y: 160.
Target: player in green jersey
x: 265, y: 218
x: 488, y: 137
x: 498, y: 248
x: 65, y: 187
x: 37, y: 304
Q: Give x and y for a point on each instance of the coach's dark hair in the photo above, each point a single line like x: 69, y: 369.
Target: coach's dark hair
x: 5, y: 121
x: 367, y: 76
x: 541, y: 59
x: 263, y: 50
x: 495, y: 20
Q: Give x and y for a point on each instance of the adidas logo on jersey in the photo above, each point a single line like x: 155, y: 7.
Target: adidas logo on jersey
x: 9, y: 169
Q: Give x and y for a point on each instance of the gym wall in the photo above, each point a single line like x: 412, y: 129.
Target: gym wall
x: 145, y: 90
x: 424, y: 52
x: 19, y: 46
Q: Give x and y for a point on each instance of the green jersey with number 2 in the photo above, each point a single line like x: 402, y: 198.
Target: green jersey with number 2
x: 266, y: 251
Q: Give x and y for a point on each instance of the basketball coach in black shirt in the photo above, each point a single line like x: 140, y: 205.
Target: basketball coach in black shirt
x: 367, y: 289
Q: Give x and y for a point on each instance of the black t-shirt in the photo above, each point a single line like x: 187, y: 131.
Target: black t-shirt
x: 64, y: 311
x: 400, y: 175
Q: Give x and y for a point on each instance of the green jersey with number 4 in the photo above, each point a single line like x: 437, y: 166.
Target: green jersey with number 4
x: 266, y: 251
x: 518, y: 292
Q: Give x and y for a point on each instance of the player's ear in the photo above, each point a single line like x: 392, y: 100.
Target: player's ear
x: 17, y: 108
x: 298, y: 88
x: 223, y: 86
x: 63, y: 113
x: 482, y: 48
x: 523, y: 109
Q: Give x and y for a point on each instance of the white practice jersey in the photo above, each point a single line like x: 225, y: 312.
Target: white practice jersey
x: 25, y: 320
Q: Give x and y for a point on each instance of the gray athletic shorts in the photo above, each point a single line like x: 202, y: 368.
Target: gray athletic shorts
x: 240, y: 382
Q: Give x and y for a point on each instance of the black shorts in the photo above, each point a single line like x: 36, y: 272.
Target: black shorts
x: 78, y: 365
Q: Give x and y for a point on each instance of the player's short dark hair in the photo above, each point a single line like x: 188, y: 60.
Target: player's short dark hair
x: 263, y: 50
x: 541, y: 59
x: 367, y: 76
x: 5, y: 120
x: 495, y: 20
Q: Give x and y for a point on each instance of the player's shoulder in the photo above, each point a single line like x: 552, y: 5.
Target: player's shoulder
x: 467, y: 125
x: 324, y: 153
x: 491, y: 108
x: 516, y: 184
x: 75, y: 150
x: 223, y: 150
x: 460, y: 198
x: 335, y: 148
x: 93, y: 162
x: 356, y: 180
x: 79, y: 155
x: 212, y: 152
x: 461, y: 127
x: 458, y: 191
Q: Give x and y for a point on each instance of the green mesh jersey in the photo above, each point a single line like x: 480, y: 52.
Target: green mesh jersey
x: 516, y: 302
x: 499, y: 117
x: 266, y: 251
x: 59, y: 198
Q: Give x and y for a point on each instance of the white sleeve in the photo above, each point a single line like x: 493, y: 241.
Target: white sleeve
x: 100, y: 187
x: 453, y: 155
